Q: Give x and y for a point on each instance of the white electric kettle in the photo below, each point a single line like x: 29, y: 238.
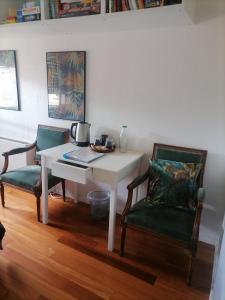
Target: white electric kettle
x: 80, y: 132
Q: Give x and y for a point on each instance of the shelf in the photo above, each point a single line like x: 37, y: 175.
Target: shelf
x: 143, y: 19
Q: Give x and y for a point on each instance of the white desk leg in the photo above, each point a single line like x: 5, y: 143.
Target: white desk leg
x: 112, y: 215
x: 44, y: 176
x: 137, y: 173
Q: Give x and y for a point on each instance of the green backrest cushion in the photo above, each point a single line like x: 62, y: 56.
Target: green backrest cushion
x: 181, y: 156
x: 48, y: 138
x: 172, y: 183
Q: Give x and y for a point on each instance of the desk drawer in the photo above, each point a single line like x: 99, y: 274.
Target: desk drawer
x: 71, y: 172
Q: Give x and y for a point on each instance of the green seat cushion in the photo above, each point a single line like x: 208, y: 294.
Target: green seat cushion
x: 172, y: 183
x: 174, y: 222
x: 28, y: 177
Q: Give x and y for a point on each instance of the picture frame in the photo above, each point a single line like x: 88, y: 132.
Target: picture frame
x: 9, y: 92
x: 66, y: 85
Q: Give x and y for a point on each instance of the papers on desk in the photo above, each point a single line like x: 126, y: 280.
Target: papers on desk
x: 85, y: 155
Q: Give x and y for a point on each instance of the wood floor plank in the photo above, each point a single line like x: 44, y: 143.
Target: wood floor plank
x: 11, y: 296
x: 28, y: 286
x: 68, y: 259
x: 67, y: 272
x: 3, y: 291
x: 49, y: 276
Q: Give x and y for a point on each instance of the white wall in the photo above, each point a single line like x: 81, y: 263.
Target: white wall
x: 218, y: 287
x: 15, y: 161
x: 166, y: 84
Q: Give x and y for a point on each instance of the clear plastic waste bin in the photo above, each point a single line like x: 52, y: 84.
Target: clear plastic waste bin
x: 99, y: 202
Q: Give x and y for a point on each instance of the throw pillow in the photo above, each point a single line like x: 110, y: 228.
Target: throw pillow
x: 172, y: 183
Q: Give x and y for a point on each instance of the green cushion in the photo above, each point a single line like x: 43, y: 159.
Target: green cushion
x: 28, y: 177
x: 182, y: 156
x: 48, y: 138
x: 179, y: 170
x: 174, y: 222
x: 172, y: 183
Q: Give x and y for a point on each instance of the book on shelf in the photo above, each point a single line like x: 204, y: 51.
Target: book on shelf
x: 140, y: 4
x: 27, y: 11
x: 123, y: 5
x: 67, y: 1
x: 63, y: 9
x: 107, y: 6
x: 54, y: 7
x: 152, y: 3
x: 74, y: 14
x: 172, y: 2
x: 30, y: 18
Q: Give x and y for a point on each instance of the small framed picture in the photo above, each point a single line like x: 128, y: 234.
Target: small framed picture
x: 9, y: 94
x: 66, y: 85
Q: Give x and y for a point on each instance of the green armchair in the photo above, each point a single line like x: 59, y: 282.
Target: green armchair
x: 28, y: 178
x: 178, y: 223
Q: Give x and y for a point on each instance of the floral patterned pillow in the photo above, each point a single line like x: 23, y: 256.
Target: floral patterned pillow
x: 172, y: 183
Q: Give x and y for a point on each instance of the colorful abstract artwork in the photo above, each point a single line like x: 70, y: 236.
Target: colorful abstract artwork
x: 66, y: 85
x: 9, y: 98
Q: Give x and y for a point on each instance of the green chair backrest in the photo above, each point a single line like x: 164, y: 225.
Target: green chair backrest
x: 48, y: 137
x: 182, y: 154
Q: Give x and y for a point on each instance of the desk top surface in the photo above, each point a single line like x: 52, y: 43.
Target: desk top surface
x: 114, y: 161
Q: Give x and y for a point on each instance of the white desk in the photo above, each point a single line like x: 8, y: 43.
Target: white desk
x: 110, y: 169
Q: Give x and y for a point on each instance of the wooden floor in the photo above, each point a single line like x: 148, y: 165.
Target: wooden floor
x: 68, y: 259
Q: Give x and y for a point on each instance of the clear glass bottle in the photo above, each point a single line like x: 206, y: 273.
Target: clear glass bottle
x: 123, y: 139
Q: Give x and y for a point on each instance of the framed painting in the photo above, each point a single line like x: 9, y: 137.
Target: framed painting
x: 66, y: 85
x: 9, y: 95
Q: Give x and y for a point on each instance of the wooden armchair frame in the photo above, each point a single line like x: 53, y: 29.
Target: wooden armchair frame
x: 191, y: 247
x: 37, y: 190
x: 2, y: 233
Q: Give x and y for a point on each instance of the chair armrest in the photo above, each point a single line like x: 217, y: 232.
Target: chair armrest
x: 19, y: 150
x: 13, y: 152
x: 200, y: 198
x: 200, y: 195
x: 138, y: 180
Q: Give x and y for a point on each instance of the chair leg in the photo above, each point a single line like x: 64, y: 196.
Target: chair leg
x: 195, y: 250
x: 2, y: 194
x: 64, y: 190
x: 190, y: 266
x: 123, y: 236
x: 38, y: 201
